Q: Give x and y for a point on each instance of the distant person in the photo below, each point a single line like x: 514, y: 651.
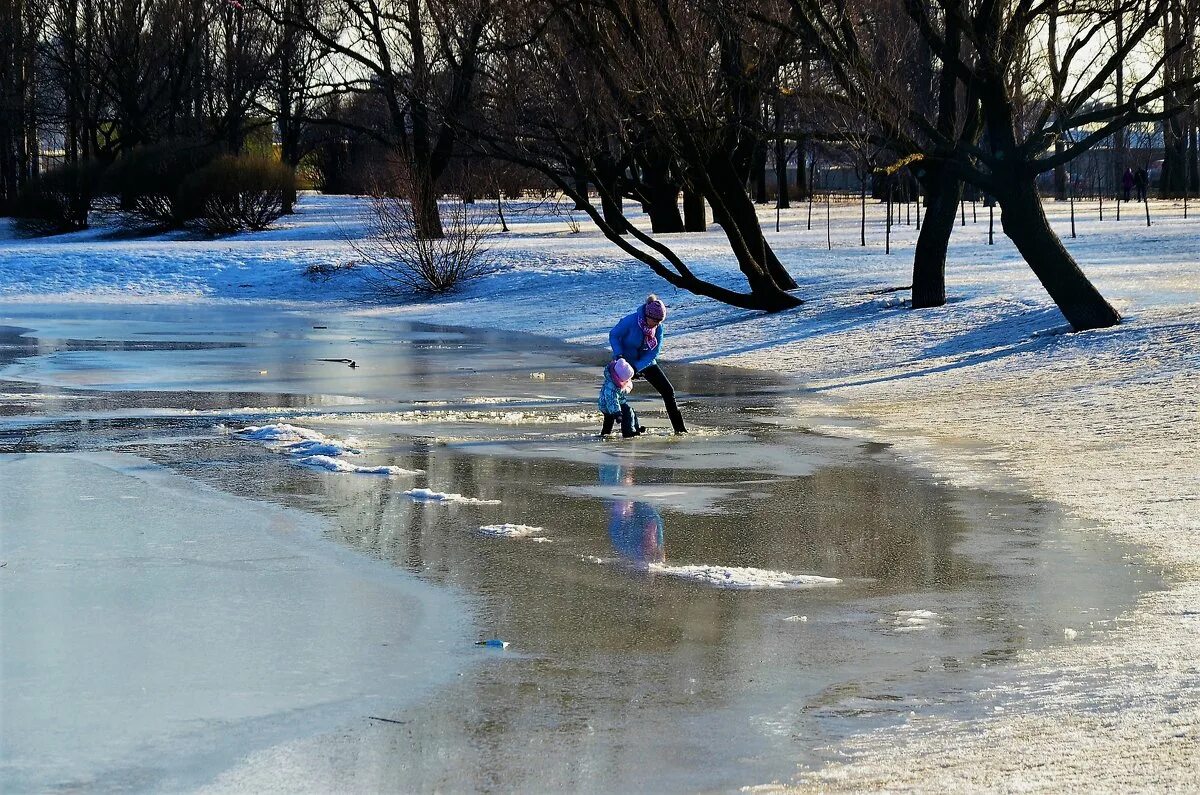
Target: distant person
x: 1127, y: 183
x: 618, y: 382
x: 1142, y: 180
x: 637, y: 338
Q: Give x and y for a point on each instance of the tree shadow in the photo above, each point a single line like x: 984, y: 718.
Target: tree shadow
x: 824, y: 321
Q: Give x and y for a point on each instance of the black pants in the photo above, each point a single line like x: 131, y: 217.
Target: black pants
x: 629, y: 422
x: 658, y: 379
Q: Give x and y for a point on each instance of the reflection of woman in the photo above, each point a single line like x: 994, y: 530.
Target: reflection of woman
x: 635, y: 527
x: 637, y: 338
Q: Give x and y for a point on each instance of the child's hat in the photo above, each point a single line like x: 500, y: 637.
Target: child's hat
x: 621, y: 371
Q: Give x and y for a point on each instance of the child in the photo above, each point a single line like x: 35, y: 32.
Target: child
x: 618, y: 382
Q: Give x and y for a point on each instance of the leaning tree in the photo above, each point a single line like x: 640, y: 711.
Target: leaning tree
x: 609, y: 87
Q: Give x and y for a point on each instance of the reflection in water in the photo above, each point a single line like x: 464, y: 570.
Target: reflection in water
x: 635, y: 527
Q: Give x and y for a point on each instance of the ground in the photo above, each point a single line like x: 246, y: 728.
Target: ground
x: 990, y: 388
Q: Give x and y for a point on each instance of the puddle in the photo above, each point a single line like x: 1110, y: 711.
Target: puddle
x: 691, y: 613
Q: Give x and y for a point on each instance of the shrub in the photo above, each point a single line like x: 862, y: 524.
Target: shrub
x: 150, y: 181
x: 237, y: 193
x: 57, y: 201
x: 404, y: 261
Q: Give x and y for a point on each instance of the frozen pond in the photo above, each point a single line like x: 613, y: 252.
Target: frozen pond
x: 182, y: 606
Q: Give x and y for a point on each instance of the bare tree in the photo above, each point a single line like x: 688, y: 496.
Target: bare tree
x: 404, y: 259
x: 612, y: 81
x: 420, y: 57
x: 991, y: 65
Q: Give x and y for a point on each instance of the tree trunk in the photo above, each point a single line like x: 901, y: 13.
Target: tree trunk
x: 801, y: 173
x: 759, y: 173
x: 611, y: 177
x: 662, y: 205
x: 734, y: 211
x: 781, y: 180
x: 427, y: 218
x: 660, y: 194
x: 579, y: 176
x: 943, y: 191
x: 1024, y: 221
x: 613, y: 209
x: 1060, y: 175
x: 694, y: 214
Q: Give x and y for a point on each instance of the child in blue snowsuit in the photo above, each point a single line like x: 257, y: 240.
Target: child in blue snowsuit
x: 618, y: 382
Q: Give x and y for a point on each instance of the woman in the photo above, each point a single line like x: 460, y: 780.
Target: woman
x: 637, y: 339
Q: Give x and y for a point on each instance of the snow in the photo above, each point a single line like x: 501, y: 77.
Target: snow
x: 911, y: 621
x: 338, y: 465
x: 988, y: 390
x: 428, y: 495
x: 314, y: 449
x: 740, y: 577
x: 508, y: 530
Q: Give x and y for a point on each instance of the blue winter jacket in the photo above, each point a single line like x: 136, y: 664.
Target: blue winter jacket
x: 628, y: 342
x: 611, y: 398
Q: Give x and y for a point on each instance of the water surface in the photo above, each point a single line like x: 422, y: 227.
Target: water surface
x: 632, y: 664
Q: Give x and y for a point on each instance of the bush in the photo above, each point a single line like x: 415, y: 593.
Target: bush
x: 150, y: 182
x: 57, y: 201
x: 403, y: 261
x: 237, y: 193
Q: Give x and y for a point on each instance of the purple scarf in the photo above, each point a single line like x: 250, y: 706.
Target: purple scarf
x: 649, y: 339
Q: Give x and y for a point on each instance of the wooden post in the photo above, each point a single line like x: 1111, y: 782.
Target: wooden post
x: 1072, y: 208
x: 887, y: 236
x: 828, y: 234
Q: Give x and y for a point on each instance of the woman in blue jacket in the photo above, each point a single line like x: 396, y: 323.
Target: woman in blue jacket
x: 637, y: 338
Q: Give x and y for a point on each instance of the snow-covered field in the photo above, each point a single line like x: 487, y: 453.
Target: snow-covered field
x: 987, y: 389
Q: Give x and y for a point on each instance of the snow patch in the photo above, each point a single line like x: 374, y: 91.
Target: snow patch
x: 512, y: 531
x: 313, y: 449
x: 911, y: 620
x: 429, y: 495
x: 331, y: 464
x: 449, y: 416
x: 741, y: 578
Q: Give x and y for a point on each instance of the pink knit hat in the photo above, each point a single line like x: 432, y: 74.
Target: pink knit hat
x: 655, y: 308
x: 621, y: 372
